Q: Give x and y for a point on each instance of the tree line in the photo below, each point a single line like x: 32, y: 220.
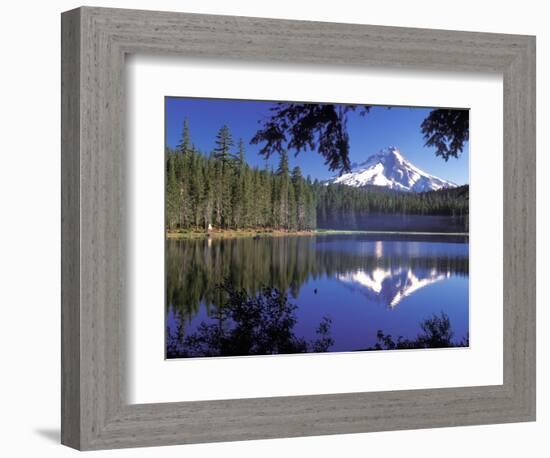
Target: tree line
x: 340, y: 200
x: 222, y: 190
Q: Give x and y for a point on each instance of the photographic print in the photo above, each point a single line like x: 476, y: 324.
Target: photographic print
x: 302, y: 227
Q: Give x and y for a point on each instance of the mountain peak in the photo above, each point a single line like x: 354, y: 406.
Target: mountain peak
x: 391, y: 151
x: 389, y: 168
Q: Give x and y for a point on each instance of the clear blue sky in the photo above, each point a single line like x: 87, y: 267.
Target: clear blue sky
x: 381, y: 127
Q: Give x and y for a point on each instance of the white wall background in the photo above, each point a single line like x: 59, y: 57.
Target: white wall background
x: 30, y: 227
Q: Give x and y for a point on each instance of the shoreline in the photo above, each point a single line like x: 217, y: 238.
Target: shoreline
x: 232, y: 233
x: 361, y: 231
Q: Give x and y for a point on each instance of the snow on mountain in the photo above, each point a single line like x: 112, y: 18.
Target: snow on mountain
x: 391, y: 170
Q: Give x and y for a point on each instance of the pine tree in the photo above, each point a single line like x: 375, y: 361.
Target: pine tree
x: 224, y: 143
x: 172, y: 192
x: 184, y: 146
x: 239, y: 194
x: 241, y: 162
x: 311, y: 208
x: 209, y: 189
x: 264, y: 202
x: 281, y: 210
x: 222, y: 154
x: 283, y: 169
x: 185, y: 192
x: 291, y: 223
x: 183, y: 201
x: 299, y: 185
x: 198, y: 184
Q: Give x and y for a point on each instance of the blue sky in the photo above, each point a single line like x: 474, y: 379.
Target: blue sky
x: 381, y: 127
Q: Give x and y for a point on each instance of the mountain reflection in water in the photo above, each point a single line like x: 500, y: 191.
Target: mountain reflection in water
x: 362, y: 283
x: 390, y: 287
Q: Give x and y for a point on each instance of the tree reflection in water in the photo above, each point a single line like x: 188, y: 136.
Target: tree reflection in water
x: 261, y: 324
x: 437, y: 333
x: 194, y: 268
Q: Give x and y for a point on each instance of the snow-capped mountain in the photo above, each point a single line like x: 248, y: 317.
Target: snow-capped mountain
x: 391, y: 170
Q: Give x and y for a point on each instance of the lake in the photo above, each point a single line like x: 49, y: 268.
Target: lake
x: 343, y: 287
x: 393, y: 222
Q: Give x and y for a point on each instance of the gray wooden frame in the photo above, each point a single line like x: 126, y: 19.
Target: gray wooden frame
x: 95, y: 413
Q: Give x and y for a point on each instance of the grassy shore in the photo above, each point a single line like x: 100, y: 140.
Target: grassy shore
x: 241, y: 233
x: 233, y: 233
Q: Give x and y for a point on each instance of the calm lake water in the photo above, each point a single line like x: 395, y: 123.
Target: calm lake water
x: 361, y: 283
x: 391, y: 222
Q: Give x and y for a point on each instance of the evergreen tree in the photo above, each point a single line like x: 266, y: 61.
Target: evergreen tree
x: 282, y: 170
x: 239, y: 191
x: 222, y: 154
x: 172, y: 192
x: 281, y: 193
x: 299, y: 185
x: 209, y: 189
x: 184, y: 196
x: 264, y: 213
x: 291, y: 223
x: 224, y: 143
x: 184, y: 146
x: 197, y: 187
x: 182, y: 202
x: 241, y: 162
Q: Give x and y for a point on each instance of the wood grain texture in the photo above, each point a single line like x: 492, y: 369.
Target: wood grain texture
x: 95, y: 411
x: 70, y: 229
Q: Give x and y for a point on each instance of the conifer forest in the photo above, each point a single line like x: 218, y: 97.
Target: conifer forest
x: 218, y: 188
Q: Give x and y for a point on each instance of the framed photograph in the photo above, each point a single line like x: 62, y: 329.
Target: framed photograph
x: 329, y: 249
x: 285, y: 228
